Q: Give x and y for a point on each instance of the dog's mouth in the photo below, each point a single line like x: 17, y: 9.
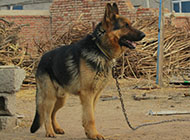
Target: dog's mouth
x: 129, y: 40
x: 127, y: 43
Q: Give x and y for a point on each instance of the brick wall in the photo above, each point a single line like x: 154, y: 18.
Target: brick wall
x: 64, y: 12
x: 38, y: 28
x: 146, y: 12
x: 181, y: 20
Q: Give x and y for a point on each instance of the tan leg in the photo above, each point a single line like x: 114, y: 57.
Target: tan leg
x: 48, y: 109
x: 59, y: 103
x: 87, y: 101
x: 47, y: 100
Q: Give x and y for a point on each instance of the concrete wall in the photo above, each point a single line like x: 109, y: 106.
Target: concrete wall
x: 30, y: 5
x: 42, y: 6
x: 152, y: 3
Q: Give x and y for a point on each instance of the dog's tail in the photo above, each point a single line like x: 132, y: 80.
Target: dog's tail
x: 37, y: 119
x: 36, y: 123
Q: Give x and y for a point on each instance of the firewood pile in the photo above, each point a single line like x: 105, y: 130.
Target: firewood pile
x: 137, y: 63
x: 142, y: 61
x: 72, y: 34
x: 11, y: 51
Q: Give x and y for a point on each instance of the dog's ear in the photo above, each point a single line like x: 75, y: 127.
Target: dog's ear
x: 109, y: 16
x: 108, y: 12
x: 115, y: 9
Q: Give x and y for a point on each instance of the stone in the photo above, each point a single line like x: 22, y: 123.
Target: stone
x: 7, y: 104
x: 11, y: 78
x: 7, y: 122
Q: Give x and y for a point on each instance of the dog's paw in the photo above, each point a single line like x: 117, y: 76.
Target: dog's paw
x: 95, y: 136
x: 50, y: 135
x: 99, y: 137
x: 59, y: 131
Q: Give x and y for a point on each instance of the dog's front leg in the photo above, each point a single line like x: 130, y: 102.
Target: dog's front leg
x: 87, y: 101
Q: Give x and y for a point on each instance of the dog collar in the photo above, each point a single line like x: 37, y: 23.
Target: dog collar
x: 103, y: 51
x: 98, y: 34
x: 96, y: 38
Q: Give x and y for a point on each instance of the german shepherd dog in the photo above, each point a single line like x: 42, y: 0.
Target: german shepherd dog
x: 83, y: 69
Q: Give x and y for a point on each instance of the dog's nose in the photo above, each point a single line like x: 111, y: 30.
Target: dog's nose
x: 142, y: 35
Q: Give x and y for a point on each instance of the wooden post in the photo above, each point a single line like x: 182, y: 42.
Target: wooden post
x: 159, y: 75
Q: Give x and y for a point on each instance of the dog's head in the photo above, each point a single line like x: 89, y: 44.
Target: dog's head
x: 119, y: 29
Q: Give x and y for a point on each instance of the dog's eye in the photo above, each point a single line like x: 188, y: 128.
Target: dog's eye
x: 126, y: 25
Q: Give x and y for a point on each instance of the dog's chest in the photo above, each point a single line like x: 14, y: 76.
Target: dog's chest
x: 93, y: 80
x: 100, y: 81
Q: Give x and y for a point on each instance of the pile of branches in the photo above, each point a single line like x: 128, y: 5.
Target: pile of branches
x: 12, y: 52
x: 142, y: 61
x: 73, y: 33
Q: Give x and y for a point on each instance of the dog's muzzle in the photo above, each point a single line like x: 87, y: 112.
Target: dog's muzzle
x: 130, y: 41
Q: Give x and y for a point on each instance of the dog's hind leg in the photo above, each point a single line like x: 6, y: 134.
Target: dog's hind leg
x: 59, y: 103
x: 47, y: 100
x: 48, y: 105
x: 88, y: 120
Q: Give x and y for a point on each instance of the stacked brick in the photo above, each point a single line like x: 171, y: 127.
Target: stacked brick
x: 64, y: 12
x: 182, y: 21
x: 146, y: 12
x: 11, y: 78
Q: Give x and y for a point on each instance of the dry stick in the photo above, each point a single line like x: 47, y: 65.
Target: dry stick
x: 21, y: 58
x: 185, y: 46
x: 172, y: 42
x: 131, y: 67
x: 123, y: 64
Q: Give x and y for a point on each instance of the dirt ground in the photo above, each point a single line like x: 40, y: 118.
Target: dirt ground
x: 109, y: 118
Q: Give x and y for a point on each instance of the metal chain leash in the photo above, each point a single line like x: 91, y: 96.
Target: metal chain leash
x: 115, y: 76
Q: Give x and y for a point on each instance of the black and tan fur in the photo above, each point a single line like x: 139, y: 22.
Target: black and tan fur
x: 81, y: 69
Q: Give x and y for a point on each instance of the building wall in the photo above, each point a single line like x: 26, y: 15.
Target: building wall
x: 42, y: 6
x: 37, y: 26
x: 180, y: 20
x: 151, y: 4
x: 27, y: 4
x: 65, y: 11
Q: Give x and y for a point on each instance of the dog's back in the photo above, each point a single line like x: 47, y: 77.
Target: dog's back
x: 57, y: 63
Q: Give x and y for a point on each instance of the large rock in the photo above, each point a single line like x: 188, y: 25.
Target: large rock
x: 7, y: 122
x: 11, y: 78
x: 7, y: 104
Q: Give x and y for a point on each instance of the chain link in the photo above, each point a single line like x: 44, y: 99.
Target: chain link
x: 115, y: 76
